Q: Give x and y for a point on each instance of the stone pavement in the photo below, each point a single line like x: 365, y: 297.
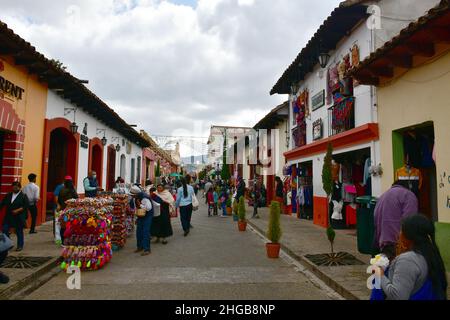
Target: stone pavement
x: 302, y: 237
x: 36, y: 245
x: 215, y: 262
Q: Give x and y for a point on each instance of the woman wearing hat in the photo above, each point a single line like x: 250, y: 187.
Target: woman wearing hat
x: 144, y: 224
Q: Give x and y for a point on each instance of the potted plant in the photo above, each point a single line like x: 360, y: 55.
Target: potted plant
x: 274, y: 231
x: 242, y: 223
x: 327, y: 182
x: 235, y: 210
x: 229, y: 206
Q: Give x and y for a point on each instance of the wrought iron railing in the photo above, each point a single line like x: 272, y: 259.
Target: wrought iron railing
x: 341, y: 116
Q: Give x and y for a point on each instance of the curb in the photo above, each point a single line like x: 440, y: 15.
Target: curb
x: 315, y: 270
x: 10, y: 291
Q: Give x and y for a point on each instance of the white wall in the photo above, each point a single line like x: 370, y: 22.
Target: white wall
x: 55, y: 109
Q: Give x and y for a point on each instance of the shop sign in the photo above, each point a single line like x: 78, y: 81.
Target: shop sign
x: 318, y: 100
x: 318, y: 129
x: 84, y: 141
x: 8, y: 88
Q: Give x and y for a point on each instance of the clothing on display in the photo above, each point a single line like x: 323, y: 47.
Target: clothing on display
x: 410, y: 174
x: 351, y: 214
x: 366, y: 171
x: 337, y: 210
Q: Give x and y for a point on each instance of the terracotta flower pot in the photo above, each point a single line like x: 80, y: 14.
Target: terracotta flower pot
x: 273, y: 250
x: 242, y: 225
x: 229, y: 211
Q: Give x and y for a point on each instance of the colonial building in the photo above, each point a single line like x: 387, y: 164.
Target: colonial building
x: 327, y: 106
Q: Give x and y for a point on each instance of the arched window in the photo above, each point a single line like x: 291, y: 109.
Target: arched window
x: 123, y: 164
x: 138, y: 172
x: 133, y: 170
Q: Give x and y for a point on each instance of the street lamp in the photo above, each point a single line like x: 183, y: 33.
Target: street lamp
x: 118, y: 147
x: 73, y: 125
x: 324, y: 58
x: 104, y: 140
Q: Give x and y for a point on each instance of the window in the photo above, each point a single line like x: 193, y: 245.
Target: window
x: 133, y: 170
x: 138, y: 172
x: 123, y: 166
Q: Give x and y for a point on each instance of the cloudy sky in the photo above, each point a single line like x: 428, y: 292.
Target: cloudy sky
x: 174, y: 67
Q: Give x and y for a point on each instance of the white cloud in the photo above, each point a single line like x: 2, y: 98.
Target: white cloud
x: 162, y: 65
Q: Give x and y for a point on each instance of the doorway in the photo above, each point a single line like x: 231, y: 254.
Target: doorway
x: 111, y: 168
x: 97, y: 161
x: 413, y: 147
x: 305, y: 203
x: 62, y: 160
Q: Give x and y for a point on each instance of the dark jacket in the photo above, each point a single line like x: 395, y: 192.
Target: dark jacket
x: 20, y: 219
x: 66, y: 194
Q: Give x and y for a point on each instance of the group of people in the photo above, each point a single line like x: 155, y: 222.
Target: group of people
x: 159, y: 204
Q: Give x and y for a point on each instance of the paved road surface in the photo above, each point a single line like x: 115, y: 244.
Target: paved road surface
x: 214, y: 262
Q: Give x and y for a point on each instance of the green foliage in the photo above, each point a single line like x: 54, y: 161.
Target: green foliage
x: 241, y: 209
x: 327, y: 178
x: 327, y: 181
x: 158, y: 170
x: 274, y: 228
x: 235, y: 207
x: 229, y: 203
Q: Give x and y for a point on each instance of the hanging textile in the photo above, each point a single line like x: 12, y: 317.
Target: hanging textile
x: 342, y: 114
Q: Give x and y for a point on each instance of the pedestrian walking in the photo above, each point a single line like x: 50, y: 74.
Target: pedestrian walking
x: 144, y: 223
x: 31, y: 190
x: 184, y: 201
x: 210, y: 200
x: 16, y: 203
x: 418, y: 272
x: 216, y: 201
x: 394, y: 205
x: 161, y: 225
x: 255, y: 198
x: 223, y: 201
x: 91, y: 185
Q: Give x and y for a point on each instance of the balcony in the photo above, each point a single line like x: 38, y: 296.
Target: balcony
x: 341, y: 116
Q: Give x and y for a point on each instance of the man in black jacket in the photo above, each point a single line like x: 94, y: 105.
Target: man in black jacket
x: 16, y: 204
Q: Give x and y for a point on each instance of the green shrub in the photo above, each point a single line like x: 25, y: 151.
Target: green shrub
x: 274, y: 228
x: 229, y: 203
x: 241, y: 210
x: 235, y: 207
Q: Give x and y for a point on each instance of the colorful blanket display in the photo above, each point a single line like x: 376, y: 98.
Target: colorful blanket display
x: 87, y: 239
x: 130, y: 220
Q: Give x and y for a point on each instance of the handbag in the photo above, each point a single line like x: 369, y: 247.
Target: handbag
x: 195, y: 203
x: 141, y: 213
x: 5, y: 243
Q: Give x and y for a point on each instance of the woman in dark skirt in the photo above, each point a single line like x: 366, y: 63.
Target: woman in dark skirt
x: 161, y: 226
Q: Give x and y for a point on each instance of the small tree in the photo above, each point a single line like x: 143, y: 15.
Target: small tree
x: 235, y: 207
x: 274, y: 228
x: 327, y: 181
x: 241, y: 209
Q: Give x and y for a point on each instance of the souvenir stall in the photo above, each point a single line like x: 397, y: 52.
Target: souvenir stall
x: 87, y: 239
x: 351, y: 173
x: 120, y: 225
x: 305, y: 191
x: 287, y: 190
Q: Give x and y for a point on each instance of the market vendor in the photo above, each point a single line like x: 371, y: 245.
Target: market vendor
x: 91, y: 185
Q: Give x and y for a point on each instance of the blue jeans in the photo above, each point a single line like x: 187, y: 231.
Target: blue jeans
x: 143, y: 232
x: 185, y: 217
x: 224, y: 208
x: 19, y: 234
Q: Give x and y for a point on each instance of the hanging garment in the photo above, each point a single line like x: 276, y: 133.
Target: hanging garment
x: 427, y: 152
x: 337, y: 210
x: 360, y: 190
x: 366, y: 171
x: 350, y: 214
x: 409, y: 174
x: 355, y: 55
x: 335, y: 171
x: 301, y: 196
x: 412, y: 150
x: 346, y: 195
x: 357, y: 173
x: 334, y: 78
x: 346, y: 173
x: 337, y: 191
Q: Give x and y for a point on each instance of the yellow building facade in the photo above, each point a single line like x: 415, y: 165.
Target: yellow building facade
x: 419, y: 98
x: 23, y: 103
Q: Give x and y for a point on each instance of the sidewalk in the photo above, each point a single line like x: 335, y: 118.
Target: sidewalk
x: 40, y: 245
x: 302, y: 237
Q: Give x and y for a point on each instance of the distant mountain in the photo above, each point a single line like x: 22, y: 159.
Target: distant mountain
x: 196, y: 159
